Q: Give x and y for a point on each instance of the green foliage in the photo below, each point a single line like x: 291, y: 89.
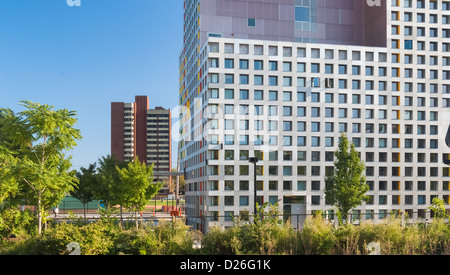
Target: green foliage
x: 175, y: 238
x: 34, y: 143
x: 87, y: 179
x: 438, y: 208
x: 345, y: 186
x: 318, y: 237
x: 109, y: 186
x: 16, y: 223
x: 137, y: 185
x: 135, y: 242
x: 220, y: 241
x: 9, y: 185
x: 93, y: 238
x: 267, y: 235
x: 166, y: 238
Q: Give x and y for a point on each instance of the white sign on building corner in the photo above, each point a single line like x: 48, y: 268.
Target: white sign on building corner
x: 373, y: 3
x: 72, y: 3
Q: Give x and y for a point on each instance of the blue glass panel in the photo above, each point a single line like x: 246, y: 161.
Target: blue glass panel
x: 408, y: 44
x: 301, y: 14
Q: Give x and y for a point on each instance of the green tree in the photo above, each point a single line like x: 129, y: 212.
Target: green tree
x: 8, y: 182
x: 138, y: 187
x: 87, y: 179
x: 9, y: 146
x: 109, y: 187
x: 438, y: 208
x: 345, y: 186
x: 38, y: 139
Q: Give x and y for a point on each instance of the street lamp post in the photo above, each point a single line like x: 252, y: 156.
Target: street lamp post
x: 254, y: 160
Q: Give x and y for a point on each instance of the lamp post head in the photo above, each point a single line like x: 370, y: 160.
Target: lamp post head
x: 253, y: 160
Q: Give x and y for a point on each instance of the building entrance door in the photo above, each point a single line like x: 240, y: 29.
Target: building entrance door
x: 294, y: 208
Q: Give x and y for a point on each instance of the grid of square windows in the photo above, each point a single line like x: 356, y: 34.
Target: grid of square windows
x: 300, y: 96
x: 364, y: 111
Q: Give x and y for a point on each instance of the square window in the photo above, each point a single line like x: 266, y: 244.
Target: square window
x: 259, y: 95
x: 252, y: 22
x: 243, y: 79
x: 243, y: 64
x: 229, y: 79
x: 229, y: 94
x: 302, y: 14
x: 258, y: 65
x: 273, y: 81
x: 258, y: 80
x: 229, y: 63
x: 243, y: 94
x: 243, y: 200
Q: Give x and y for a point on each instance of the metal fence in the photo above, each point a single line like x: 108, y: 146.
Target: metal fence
x: 297, y: 220
x: 162, y: 203
x: 76, y: 206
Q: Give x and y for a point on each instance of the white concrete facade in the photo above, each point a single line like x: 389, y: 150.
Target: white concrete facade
x: 288, y: 102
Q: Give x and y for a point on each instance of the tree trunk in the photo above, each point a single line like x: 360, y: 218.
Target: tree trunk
x: 177, y: 192
x: 136, y: 219
x: 39, y: 211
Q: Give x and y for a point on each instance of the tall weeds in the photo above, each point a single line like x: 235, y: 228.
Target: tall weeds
x: 268, y: 236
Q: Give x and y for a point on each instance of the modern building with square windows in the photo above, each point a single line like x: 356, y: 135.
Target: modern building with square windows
x: 280, y: 81
x: 138, y: 131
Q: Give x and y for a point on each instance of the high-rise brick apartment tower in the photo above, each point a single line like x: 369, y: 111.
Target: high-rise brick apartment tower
x: 138, y: 131
x: 280, y: 80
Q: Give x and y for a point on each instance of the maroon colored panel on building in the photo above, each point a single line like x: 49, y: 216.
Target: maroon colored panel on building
x: 141, y: 107
x: 117, y: 130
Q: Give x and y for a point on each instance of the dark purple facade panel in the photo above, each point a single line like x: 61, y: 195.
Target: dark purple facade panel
x: 350, y: 22
x: 286, y: 13
x: 271, y: 11
x: 242, y: 11
x: 375, y: 21
x: 285, y: 29
x: 208, y: 7
x: 349, y: 17
x: 348, y: 33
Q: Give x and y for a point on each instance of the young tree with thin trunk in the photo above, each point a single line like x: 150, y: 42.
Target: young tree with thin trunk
x: 138, y: 187
x: 38, y: 138
x: 87, y: 179
x: 109, y: 187
x: 345, y: 186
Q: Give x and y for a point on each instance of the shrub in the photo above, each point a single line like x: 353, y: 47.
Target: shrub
x: 265, y: 237
x: 437, y: 238
x: 317, y: 237
x: 135, y: 242
x: 347, y: 240
x: 92, y: 239
x: 221, y: 241
x: 16, y: 223
x: 174, y: 238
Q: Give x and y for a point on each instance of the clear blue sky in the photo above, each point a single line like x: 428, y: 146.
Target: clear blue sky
x: 83, y: 58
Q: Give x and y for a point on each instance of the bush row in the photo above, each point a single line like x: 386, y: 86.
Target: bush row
x: 318, y: 237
